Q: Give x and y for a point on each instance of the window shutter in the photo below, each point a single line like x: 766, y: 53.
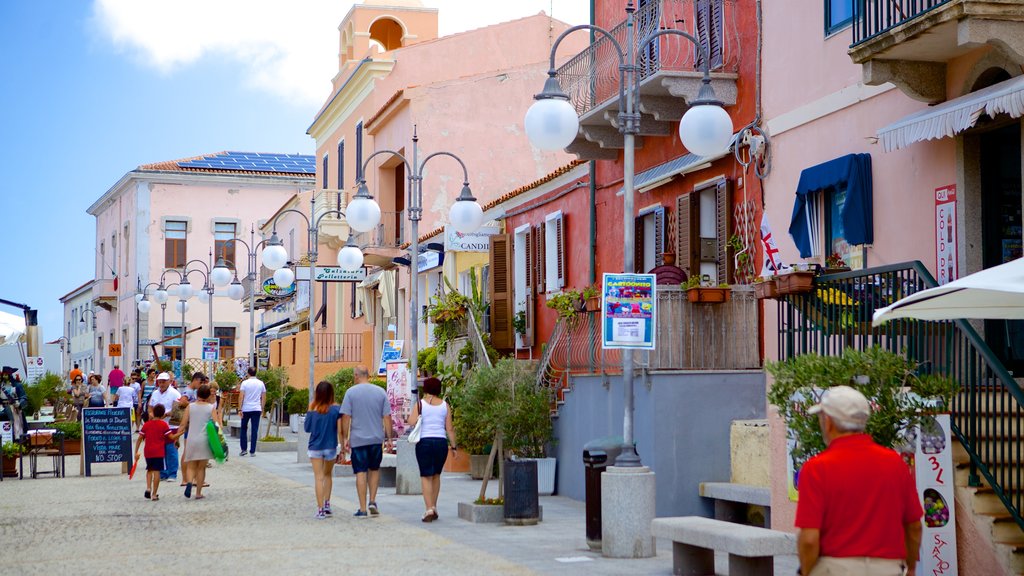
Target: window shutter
x: 540, y: 256
x: 723, y: 205
x: 686, y: 231
x: 638, y: 245
x: 659, y: 237
x: 560, y: 250
x: 501, y: 292
x: 716, y: 32
x: 701, y: 25
x: 529, y: 272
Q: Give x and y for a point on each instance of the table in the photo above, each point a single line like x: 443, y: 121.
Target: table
x: 44, y: 442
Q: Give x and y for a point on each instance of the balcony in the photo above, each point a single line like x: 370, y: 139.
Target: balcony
x: 909, y: 42
x: 670, y: 74
x: 104, y: 295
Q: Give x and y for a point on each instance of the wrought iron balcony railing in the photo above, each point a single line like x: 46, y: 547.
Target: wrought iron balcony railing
x: 872, y: 18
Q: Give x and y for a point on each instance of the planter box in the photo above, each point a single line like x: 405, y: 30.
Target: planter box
x: 766, y: 289
x: 10, y: 469
x: 457, y: 461
x: 708, y: 295
x: 594, y: 304
x: 545, y: 475
x: 486, y: 513
x: 478, y: 465
x: 795, y: 283
x: 286, y: 446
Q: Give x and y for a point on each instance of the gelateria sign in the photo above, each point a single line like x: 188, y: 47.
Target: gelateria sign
x: 477, y: 241
x: 272, y: 289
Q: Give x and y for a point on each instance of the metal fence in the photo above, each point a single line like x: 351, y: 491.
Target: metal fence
x: 874, y: 17
x: 338, y: 346
x: 988, y: 410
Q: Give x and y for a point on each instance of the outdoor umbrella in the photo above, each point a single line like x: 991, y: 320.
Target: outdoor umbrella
x: 994, y: 293
x: 12, y: 328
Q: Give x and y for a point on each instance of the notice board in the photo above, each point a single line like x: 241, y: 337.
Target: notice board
x: 106, y: 436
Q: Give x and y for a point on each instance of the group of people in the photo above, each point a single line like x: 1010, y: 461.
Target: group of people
x: 361, y: 427
x: 121, y: 391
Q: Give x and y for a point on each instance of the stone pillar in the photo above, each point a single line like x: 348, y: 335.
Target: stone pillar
x: 302, y: 457
x: 407, y: 471
x: 627, y: 509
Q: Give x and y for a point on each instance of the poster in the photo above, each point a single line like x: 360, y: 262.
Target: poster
x: 933, y: 466
x: 628, y: 311
x: 399, y: 394
x: 36, y: 368
x: 945, y: 234
x: 391, y: 351
x: 211, y: 349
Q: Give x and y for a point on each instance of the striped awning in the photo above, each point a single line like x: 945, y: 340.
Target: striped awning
x: 955, y: 116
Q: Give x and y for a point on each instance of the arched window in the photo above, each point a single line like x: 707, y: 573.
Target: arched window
x: 386, y: 33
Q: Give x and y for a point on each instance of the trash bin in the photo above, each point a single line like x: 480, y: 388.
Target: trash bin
x: 597, y: 455
x: 522, y: 506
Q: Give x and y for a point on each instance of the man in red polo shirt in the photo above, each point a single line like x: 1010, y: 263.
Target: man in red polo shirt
x: 859, y: 512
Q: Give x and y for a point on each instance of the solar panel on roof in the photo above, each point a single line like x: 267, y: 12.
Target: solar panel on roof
x: 255, y: 162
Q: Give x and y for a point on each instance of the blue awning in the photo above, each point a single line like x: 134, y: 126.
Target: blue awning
x: 852, y: 172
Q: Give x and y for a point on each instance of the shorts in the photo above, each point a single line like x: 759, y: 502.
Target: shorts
x: 367, y: 458
x: 155, y: 464
x: 431, y: 454
x: 323, y: 454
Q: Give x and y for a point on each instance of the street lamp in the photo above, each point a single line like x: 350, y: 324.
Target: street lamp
x: 706, y: 129
x: 465, y: 215
x: 275, y: 257
x: 225, y: 273
x: 81, y: 319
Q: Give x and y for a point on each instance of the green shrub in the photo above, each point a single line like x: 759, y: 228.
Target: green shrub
x: 48, y: 388
x: 226, y: 380
x: 297, y: 401
x: 426, y: 360
x: 71, y: 430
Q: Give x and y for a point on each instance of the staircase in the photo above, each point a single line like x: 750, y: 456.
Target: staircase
x: 987, y: 414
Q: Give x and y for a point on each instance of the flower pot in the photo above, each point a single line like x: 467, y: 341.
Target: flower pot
x: 795, y: 283
x: 594, y: 304
x: 545, y: 475
x: 522, y: 505
x: 766, y: 289
x: 708, y: 295
x: 580, y: 305
x: 478, y: 465
x: 837, y: 269
x: 10, y: 466
x: 72, y: 447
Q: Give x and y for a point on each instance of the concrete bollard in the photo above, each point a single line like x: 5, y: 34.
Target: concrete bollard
x: 407, y: 471
x: 627, y: 509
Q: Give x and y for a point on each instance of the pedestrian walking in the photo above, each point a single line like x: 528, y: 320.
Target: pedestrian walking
x: 254, y: 399
x: 79, y: 392
x: 115, y: 379
x: 436, y: 432
x: 197, y: 449
x: 154, y: 434
x: 366, y: 425
x: 148, y: 386
x: 858, y: 512
x: 75, y: 372
x: 324, y: 438
x: 127, y: 397
x: 167, y: 396
x: 96, y: 393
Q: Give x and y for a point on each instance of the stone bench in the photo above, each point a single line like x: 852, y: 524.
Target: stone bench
x: 695, y: 540
x: 733, y: 502
x: 388, y: 466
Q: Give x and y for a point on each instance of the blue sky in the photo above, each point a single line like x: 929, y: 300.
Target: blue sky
x: 91, y: 90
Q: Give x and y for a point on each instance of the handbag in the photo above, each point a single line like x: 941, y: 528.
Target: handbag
x: 414, y: 436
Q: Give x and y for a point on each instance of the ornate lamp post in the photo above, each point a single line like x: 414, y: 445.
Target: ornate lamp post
x: 225, y: 273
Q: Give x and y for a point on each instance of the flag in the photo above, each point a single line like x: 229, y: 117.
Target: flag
x: 772, y: 259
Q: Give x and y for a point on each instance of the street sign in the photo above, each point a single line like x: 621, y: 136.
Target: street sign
x: 36, y: 368
x: 211, y: 350
x: 114, y: 350
x: 628, y: 311
x: 328, y: 274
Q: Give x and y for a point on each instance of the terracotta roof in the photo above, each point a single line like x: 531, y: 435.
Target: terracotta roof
x: 380, y: 111
x: 248, y: 163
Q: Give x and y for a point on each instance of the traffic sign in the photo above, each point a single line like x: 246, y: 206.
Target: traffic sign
x: 114, y: 350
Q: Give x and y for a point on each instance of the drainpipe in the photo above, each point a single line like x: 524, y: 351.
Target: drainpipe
x: 593, y: 218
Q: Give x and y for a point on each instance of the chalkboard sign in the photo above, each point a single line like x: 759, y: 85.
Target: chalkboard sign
x: 106, y: 436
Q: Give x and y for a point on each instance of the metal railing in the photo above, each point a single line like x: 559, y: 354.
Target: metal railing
x: 874, y: 17
x: 389, y: 231
x: 592, y: 76
x: 338, y: 347
x: 987, y: 412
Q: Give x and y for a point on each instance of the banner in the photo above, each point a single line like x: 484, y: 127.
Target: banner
x: 772, y: 259
x: 628, y: 311
x: 933, y: 464
x: 390, y: 351
x: 399, y: 394
x: 945, y: 235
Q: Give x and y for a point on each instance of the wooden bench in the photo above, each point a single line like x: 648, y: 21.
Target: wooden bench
x: 734, y: 502
x: 695, y: 539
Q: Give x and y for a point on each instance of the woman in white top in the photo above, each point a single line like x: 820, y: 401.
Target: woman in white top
x: 432, y: 449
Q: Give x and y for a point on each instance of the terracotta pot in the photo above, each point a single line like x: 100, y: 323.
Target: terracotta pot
x: 795, y: 283
x: 766, y: 289
x: 594, y: 304
x: 708, y: 295
x: 10, y: 466
x: 668, y: 258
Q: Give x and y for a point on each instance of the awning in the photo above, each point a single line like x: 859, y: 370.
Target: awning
x: 663, y: 173
x: 386, y: 288
x: 954, y: 116
x: 266, y: 328
x: 371, y: 280
x: 853, y: 172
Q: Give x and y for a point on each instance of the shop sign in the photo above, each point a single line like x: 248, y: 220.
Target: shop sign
x: 328, y: 274
x: 476, y: 241
x: 272, y: 289
x: 946, y: 233
x: 428, y: 261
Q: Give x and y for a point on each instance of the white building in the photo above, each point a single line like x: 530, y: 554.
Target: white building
x: 80, y: 336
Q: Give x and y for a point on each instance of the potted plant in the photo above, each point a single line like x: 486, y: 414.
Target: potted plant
x: 701, y: 290
x: 297, y: 405
x: 834, y: 264
x: 795, y: 281
x: 72, y: 432
x: 592, y: 296
x: 765, y: 288
x: 10, y: 452
x: 47, y: 389
x: 901, y: 395
x: 567, y: 303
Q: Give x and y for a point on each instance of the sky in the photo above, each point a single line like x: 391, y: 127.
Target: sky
x: 90, y: 90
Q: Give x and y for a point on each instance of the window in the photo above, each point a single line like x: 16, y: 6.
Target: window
x: 709, y: 24
x: 838, y: 13
x: 523, y: 274
x: 175, y: 234
x: 172, y: 348
x: 226, y: 338
x: 359, y: 151
x: 103, y: 258
x: 703, y: 227
x: 341, y: 165
x: 325, y: 171
x: 649, y: 244
x: 223, y: 247
x: 554, y: 252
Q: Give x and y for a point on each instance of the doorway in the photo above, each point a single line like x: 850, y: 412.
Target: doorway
x: 1002, y: 232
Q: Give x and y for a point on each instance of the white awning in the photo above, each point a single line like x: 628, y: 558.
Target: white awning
x: 954, y: 116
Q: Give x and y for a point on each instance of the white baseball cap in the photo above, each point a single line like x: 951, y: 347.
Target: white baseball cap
x: 164, y: 376
x: 843, y: 403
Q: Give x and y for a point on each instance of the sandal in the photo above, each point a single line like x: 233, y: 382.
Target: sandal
x: 427, y: 517
x: 199, y: 497
x: 155, y: 498
x: 433, y: 514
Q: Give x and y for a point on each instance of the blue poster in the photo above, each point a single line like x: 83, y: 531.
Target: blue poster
x: 392, y: 351
x: 628, y: 311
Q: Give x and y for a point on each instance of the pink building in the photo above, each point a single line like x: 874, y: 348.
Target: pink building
x: 895, y: 137
x: 161, y: 218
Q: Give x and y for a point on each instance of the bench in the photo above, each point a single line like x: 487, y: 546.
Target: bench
x: 734, y: 502
x: 388, y: 470
x: 695, y: 540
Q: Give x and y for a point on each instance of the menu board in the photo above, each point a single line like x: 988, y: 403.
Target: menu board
x: 106, y: 436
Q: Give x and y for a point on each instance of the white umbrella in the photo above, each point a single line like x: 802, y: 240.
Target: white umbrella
x: 993, y: 293
x: 12, y: 328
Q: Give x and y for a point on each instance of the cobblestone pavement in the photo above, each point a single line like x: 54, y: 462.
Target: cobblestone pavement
x: 251, y: 522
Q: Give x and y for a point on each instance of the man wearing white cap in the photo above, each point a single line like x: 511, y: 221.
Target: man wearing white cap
x: 167, y: 395
x: 858, y: 512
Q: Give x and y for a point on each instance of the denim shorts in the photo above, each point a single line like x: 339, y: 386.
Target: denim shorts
x: 323, y: 454
x: 366, y: 458
x: 431, y: 454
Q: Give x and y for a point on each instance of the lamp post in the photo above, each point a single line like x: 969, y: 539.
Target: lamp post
x: 203, y: 294
x: 223, y: 275
x: 706, y: 129
x: 466, y: 216
x: 275, y: 257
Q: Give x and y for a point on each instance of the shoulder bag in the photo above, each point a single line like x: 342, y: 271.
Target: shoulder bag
x: 414, y: 436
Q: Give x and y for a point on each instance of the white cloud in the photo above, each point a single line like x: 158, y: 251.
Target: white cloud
x: 286, y: 48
